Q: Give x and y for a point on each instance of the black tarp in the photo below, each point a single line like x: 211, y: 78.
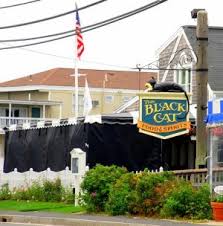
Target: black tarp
x: 122, y: 145
x: 42, y: 148
x: 106, y: 143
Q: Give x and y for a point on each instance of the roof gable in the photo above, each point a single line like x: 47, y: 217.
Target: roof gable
x: 215, y: 54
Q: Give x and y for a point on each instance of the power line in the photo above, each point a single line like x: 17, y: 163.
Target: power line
x: 91, y: 27
x: 52, y: 17
x: 19, y: 4
x: 71, y: 58
x: 96, y: 25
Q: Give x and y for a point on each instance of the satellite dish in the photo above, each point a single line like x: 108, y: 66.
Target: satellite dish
x: 219, y: 190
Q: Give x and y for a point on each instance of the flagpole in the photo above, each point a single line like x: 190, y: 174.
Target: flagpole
x: 79, y: 51
x: 76, y: 87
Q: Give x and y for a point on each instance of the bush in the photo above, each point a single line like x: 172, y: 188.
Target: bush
x: 121, y: 195
x: 52, y: 191
x: 5, y: 193
x: 48, y: 191
x: 148, y: 198
x: 186, y: 201
x: 96, y: 186
x: 67, y: 196
x: 35, y: 192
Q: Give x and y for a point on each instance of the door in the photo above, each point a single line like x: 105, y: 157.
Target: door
x: 35, y: 112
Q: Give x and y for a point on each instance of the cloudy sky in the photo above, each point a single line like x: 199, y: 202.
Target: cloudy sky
x: 120, y: 45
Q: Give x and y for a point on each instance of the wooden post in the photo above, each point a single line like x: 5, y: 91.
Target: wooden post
x: 201, y: 84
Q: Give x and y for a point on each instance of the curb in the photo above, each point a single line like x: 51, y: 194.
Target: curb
x: 64, y: 221
x: 69, y: 221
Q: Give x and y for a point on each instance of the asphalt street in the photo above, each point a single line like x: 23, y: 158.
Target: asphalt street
x: 44, y: 218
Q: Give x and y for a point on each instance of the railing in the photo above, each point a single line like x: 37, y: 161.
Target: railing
x: 7, y: 121
x: 200, y: 176
x: 15, y: 179
x: 197, y: 176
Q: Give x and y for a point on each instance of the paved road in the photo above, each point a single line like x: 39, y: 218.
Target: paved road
x: 83, y: 219
x: 21, y: 224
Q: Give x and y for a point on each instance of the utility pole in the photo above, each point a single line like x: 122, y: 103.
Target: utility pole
x: 201, y: 84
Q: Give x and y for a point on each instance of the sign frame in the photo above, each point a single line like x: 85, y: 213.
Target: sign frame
x: 162, y: 96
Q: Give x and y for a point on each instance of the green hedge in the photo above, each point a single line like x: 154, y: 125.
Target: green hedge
x: 114, y: 190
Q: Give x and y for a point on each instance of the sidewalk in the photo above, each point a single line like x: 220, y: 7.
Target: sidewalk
x: 89, y: 220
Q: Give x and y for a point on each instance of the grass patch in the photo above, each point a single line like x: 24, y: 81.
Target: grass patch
x: 26, y: 206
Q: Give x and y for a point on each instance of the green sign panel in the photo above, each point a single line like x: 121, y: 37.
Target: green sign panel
x: 163, y: 115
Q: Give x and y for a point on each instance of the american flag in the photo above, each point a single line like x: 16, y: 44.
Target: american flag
x: 80, y: 43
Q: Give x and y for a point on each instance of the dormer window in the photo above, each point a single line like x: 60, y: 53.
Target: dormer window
x: 183, y: 78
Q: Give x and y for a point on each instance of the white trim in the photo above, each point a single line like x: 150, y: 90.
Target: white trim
x: 12, y: 127
x: 44, y: 111
x: 43, y: 88
x: 40, y: 124
x: 93, y: 118
x: 189, y: 45
x: 218, y: 92
x: 188, y: 73
x: 72, y: 121
x: 168, y: 41
x: 164, y: 137
x: 32, y: 102
x: 55, y: 122
x: 172, y: 56
x: 135, y: 116
x: 49, y: 96
x: 26, y: 125
x: 127, y: 104
x: 211, y: 94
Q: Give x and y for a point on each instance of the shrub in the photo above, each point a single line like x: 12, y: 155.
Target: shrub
x: 35, y: 192
x: 202, y: 207
x: 52, y: 191
x: 67, y: 196
x: 186, y: 201
x: 5, y: 193
x: 121, y: 195
x: 148, y: 198
x: 96, y: 186
x: 20, y: 194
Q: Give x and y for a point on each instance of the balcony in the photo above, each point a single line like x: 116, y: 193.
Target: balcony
x: 20, y: 112
x: 7, y: 121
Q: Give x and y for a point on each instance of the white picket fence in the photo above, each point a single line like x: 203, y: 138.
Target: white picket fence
x: 68, y: 179
x: 16, y: 179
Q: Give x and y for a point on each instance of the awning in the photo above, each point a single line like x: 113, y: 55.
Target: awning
x: 215, y: 113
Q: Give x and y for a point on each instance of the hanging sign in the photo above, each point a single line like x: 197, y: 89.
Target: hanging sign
x: 163, y: 114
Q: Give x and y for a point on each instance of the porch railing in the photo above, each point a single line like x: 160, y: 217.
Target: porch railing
x: 197, y: 176
x: 200, y: 176
x: 7, y: 121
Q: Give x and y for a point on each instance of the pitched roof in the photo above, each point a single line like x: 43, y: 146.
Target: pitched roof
x: 96, y: 79
x: 215, y: 54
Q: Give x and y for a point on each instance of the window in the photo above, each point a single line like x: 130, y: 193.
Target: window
x: 74, y: 164
x: 35, y: 112
x: 183, y: 78
x: 80, y: 104
x: 95, y: 103
x: 126, y: 99
x: 15, y: 112
x: 108, y: 99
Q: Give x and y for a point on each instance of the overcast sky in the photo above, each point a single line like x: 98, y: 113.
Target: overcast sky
x: 120, y: 46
